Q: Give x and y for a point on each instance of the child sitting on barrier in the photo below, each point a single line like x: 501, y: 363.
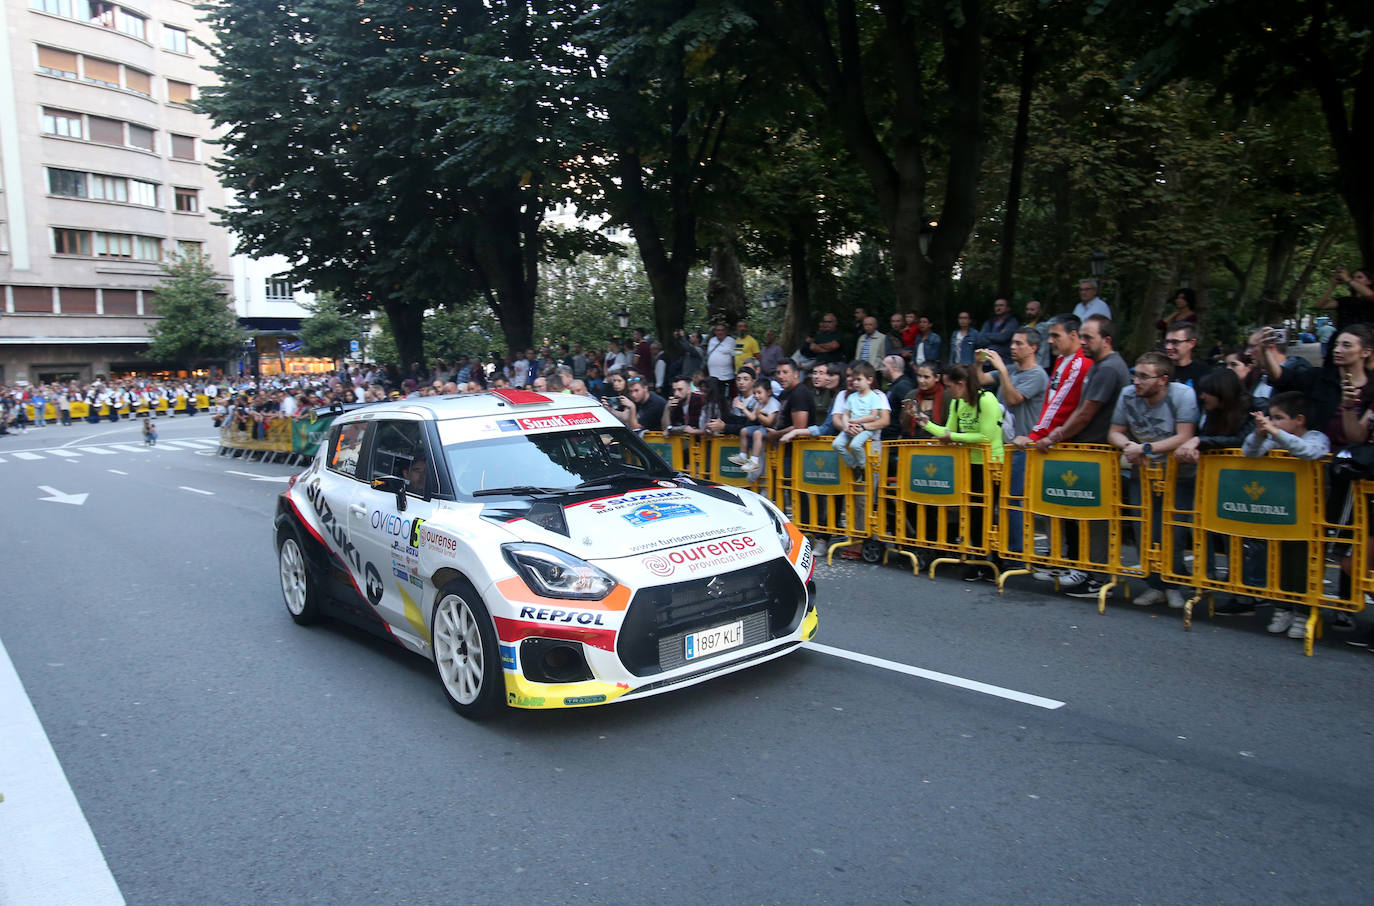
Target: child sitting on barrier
x: 1284, y: 428
x: 751, y: 436
x: 866, y: 412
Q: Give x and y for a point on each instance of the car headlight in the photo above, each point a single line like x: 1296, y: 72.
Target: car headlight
x: 779, y: 525
x: 551, y: 573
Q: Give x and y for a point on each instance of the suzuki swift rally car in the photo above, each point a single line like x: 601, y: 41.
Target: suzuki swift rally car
x: 538, y: 552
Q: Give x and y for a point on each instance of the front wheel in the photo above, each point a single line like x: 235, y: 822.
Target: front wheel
x: 297, y: 588
x: 465, y: 651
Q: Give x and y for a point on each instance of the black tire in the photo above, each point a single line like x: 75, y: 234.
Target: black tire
x: 872, y: 550
x: 467, y: 657
x: 297, y: 585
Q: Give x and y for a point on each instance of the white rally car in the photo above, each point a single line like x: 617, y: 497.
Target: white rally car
x: 537, y: 552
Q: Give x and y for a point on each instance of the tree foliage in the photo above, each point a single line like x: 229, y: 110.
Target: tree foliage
x: 331, y: 328
x: 196, y: 323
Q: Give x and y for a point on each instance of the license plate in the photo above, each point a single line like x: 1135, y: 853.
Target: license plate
x: 719, y: 638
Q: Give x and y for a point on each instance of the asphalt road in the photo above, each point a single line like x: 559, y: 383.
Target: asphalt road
x: 223, y: 755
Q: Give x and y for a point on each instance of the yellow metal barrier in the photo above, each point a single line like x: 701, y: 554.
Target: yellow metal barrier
x: 925, y: 498
x: 820, y: 491
x: 275, y: 439
x: 1257, y: 527
x: 1075, y: 491
x: 676, y: 449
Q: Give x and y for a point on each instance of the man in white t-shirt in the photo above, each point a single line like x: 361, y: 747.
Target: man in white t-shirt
x: 720, y: 354
x: 1089, y: 303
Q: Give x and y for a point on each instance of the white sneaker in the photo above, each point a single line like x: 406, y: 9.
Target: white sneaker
x: 1174, y: 597
x: 1280, y: 621
x: 740, y: 459
x: 753, y: 464
x: 1047, y: 575
x: 1071, y: 577
x: 1298, y: 629
x: 1148, y: 598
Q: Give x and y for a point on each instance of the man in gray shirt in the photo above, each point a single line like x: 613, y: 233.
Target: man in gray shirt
x: 1022, y: 391
x: 1090, y: 424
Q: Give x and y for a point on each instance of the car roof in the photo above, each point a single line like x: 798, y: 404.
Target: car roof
x: 503, y: 402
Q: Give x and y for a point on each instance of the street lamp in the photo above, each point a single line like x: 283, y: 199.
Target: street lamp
x: 1097, y: 263
x: 927, y: 233
x: 622, y: 317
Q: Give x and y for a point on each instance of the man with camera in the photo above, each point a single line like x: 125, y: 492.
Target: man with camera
x: 642, y: 410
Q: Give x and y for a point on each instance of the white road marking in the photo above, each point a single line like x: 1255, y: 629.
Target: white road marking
x: 97, y: 451
x: 59, y: 497
x: 283, y: 479
x: 129, y: 448
x: 948, y: 679
x: 86, y: 440
x: 50, y: 854
x: 197, y: 491
x: 213, y: 444
x: 2, y: 459
x: 178, y: 444
x: 23, y: 455
x: 116, y: 471
x: 65, y: 454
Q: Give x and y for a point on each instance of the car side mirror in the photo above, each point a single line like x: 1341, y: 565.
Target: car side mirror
x: 392, y: 484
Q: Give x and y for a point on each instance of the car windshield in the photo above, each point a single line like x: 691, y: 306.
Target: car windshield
x: 555, y: 461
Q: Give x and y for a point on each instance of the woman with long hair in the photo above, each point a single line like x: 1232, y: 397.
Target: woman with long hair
x: 928, y: 399
x: 975, y: 417
x: 1225, y: 415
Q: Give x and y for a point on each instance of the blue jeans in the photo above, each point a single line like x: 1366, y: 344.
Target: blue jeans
x: 851, y: 449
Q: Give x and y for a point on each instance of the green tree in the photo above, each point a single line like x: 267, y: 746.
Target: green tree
x: 400, y: 153
x: 331, y: 328
x: 195, y: 325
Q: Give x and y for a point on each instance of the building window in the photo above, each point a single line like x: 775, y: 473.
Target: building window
x: 101, y: 72
x: 178, y: 92
x: 66, y: 182
x: 138, y: 81
x: 141, y: 137
x: 114, y: 245
x: 147, y: 248
x: 60, y: 122
x: 183, y: 147
x: 102, y: 14
x: 279, y: 289
x: 57, y: 62
x: 189, y: 248
x: 104, y: 131
x: 4, y: 239
x: 144, y: 193
x: 175, y: 39
x: 70, y: 242
x: 56, y: 7
x: 188, y: 200
x: 132, y: 24
x: 109, y: 188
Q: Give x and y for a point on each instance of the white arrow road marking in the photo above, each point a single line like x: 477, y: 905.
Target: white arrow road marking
x: 948, y: 679
x: 197, y: 491
x: 50, y: 854
x: 59, y: 497
x: 281, y: 478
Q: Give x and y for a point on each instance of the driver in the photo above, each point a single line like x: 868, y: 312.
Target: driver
x: 417, y: 474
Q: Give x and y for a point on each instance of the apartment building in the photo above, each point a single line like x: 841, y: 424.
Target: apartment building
x: 103, y: 172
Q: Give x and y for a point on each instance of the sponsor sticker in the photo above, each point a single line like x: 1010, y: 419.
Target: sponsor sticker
x: 657, y: 512
x: 525, y: 701
x: 1260, y: 497
x: 433, y: 540
x: 508, y: 657
x: 558, y: 615
x: 703, y: 557
x: 612, y: 504
x: 569, y: 420
x: 584, y: 699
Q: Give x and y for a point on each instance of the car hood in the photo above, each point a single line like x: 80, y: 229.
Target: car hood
x: 632, y: 517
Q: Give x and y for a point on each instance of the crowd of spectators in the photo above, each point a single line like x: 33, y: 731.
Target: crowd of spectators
x: 1013, y: 383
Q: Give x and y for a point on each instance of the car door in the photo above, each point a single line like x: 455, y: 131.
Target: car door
x: 381, y: 528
